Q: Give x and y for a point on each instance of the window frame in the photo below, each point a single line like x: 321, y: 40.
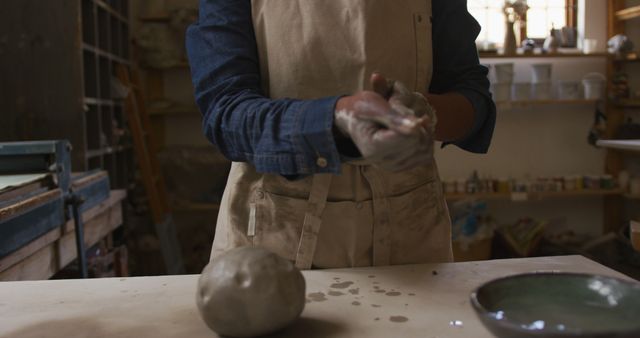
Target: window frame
x: 571, y: 13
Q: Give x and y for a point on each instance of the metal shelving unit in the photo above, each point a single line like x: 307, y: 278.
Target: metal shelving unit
x: 494, y: 55
x: 628, y: 13
x: 616, y: 109
x: 61, y: 74
x: 536, y: 196
x: 629, y: 145
x: 105, y: 44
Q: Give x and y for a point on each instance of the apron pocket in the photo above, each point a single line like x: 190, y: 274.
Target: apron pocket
x: 278, y: 224
x: 344, y: 238
x: 346, y: 235
x: 421, y: 229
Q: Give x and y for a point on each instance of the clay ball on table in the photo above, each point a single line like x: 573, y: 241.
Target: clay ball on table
x: 249, y: 292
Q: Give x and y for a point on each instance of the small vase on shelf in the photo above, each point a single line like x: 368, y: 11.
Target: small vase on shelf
x: 510, y: 43
x: 552, y: 43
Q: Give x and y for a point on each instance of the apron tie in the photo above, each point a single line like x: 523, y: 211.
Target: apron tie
x: 381, y: 218
x: 312, y: 220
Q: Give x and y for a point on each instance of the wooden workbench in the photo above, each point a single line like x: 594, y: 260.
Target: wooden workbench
x: 429, y: 297
x: 54, y: 250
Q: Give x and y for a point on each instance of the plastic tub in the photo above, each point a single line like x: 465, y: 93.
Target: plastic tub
x: 594, y: 86
x: 541, y: 91
x: 501, y: 91
x: 504, y: 72
x: 521, y: 91
x: 541, y: 73
x: 568, y: 90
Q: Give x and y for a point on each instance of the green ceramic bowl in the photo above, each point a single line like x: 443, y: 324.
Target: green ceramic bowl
x: 559, y: 305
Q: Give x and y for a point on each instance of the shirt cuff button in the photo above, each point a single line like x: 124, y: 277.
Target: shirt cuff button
x: 322, y: 162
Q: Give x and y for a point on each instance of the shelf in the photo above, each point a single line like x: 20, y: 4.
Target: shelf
x: 106, y: 102
x: 628, y: 13
x: 631, y: 57
x: 529, y: 196
x: 111, y: 10
x: 107, y: 55
x: 487, y: 55
x: 631, y: 145
x: 528, y: 103
x: 106, y: 151
x: 627, y: 103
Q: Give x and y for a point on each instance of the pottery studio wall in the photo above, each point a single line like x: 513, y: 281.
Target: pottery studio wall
x: 183, y: 130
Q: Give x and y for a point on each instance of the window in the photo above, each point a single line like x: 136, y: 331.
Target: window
x: 541, y: 17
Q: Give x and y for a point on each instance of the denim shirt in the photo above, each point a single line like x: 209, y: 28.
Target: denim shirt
x: 288, y: 136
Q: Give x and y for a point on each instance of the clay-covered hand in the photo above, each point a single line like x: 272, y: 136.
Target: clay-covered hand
x: 405, y: 101
x: 389, y: 139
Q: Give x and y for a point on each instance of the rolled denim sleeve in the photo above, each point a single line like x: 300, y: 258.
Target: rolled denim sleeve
x: 456, y: 68
x: 282, y: 136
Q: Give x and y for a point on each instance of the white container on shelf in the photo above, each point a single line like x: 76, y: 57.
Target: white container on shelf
x: 521, y: 91
x: 541, y: 91
x: 568, y: 90
x: 501, y: 91
x: 594, y: 86
x: 541, y: 73
x: 504, y: 72
x: 589, y: 46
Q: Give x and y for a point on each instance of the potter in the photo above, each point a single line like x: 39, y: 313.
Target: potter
x: 330, y: 111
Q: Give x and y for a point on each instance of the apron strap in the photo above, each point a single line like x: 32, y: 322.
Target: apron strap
x: 381, y: 218
x: 312, y: 220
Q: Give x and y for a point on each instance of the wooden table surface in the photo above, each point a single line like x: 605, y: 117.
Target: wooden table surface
x: 399, y: 301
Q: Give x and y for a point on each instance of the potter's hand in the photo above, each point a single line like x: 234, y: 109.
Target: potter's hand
x: 405, y: 101
x: 387, y: 138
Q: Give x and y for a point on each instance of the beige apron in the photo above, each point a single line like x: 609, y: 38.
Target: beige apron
x: 364, y: 216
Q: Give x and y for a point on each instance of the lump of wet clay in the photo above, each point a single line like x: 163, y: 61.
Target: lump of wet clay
x: 250, y: 292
